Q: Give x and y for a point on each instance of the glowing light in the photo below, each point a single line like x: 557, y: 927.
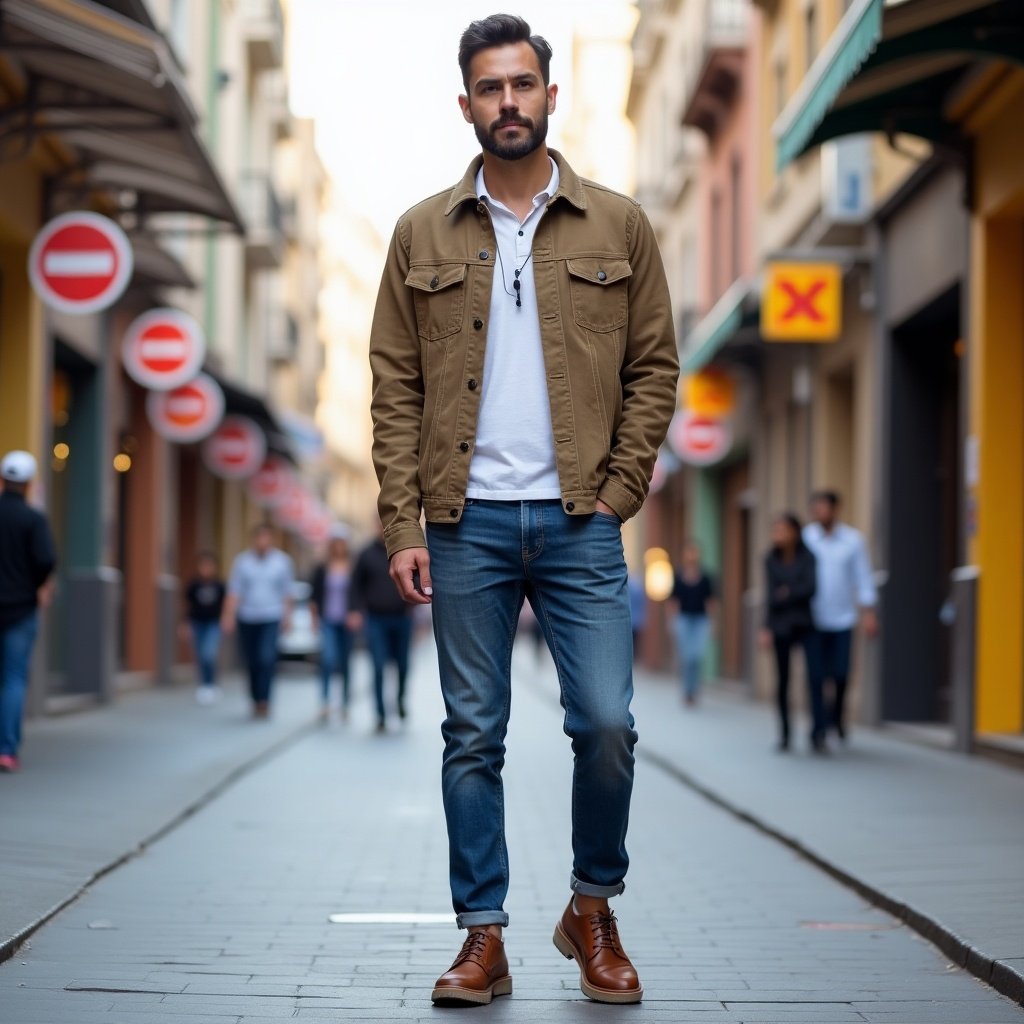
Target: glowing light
x: 122, y: 462
x: 659, y: 576
x: 61, y: 451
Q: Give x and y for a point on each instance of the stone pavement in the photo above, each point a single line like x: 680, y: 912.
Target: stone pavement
x: 226, y: 917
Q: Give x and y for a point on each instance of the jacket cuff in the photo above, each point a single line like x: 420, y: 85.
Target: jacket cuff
x: 615, y: 496
x: 399, y: 536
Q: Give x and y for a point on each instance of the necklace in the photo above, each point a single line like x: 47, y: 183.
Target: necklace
x: 516, y: 283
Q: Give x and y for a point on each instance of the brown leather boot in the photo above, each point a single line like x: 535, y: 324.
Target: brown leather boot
x: 606, y: 974
x: 479, y: 972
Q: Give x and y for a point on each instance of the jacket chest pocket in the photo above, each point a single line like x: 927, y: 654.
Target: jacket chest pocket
x: 439, y: 294
x: 599, y: 289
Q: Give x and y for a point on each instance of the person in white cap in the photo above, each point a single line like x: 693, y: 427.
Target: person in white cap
x: 27, y: 558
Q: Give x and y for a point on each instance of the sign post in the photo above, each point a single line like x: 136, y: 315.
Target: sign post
x: 236, y: 450
x: 189, y: 413
x: 163, y: 349
x: 699, y: 440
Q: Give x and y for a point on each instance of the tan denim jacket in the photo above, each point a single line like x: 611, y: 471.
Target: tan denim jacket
x: 607, y: 335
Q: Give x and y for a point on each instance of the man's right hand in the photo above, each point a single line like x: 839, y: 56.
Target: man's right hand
x: 403, y: 565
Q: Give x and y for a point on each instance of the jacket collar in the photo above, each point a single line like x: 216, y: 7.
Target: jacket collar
x: 570, y: 187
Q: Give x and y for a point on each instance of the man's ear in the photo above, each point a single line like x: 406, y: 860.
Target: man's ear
x: 467, y: 112
x: 552, y: 96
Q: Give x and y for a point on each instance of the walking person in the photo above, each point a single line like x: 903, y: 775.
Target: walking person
x: 790, y: 582
x: 331, y: 610
x: 258, y: 602
x: 387, y: 623
x: 204, y: 601
x: 27, y: 559
x: 845, y: 594
x: 695, y: 594
x: 524, y: 364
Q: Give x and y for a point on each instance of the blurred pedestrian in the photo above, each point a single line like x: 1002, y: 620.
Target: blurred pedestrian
x: 524, y: 369
x: 258, y: 603
x: 204, y: 601
x: 695, y: 594
x: 845, y: 593
x: 27, y: 559
x: 387, y: 623
x: 332, y: 611
x: 789, y: 586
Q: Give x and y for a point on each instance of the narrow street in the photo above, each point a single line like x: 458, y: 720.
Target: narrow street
x: 226, y: 918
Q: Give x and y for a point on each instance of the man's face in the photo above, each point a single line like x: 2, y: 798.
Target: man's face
x: 263, y: 541
x: 508, y: 105
x: 823, y: 512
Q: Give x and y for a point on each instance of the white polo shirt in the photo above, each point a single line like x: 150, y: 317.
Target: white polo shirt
x: 514, y: 456
x: 845, y: 582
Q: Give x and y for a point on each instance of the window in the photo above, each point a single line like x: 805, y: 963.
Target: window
x: 811, y: 32
x: 716, y: 245
x: 736, y: 217
x: 177, y: 28
x: 781, y: 73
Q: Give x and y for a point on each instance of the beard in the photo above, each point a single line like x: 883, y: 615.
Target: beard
x: 513, y: 149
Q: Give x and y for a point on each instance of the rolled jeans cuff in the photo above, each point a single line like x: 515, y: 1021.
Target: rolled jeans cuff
x: 589, y: 889
x: 477, y: 918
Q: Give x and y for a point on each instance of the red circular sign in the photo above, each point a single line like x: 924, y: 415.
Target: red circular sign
x: 163, y: 349
x: 317, y: 529
x: 699, y: 440
x: 80, y: 263
x: 188, y: 413
x: 269, y: 486
x: 236, y: 450
x: 296, y: 505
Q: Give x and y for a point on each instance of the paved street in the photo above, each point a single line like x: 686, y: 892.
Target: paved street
x: 226, y: 917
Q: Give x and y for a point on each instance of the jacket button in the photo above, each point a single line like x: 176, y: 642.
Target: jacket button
x: 569, y: 506
x: 478, y: 324
x: 484, y: 254
x: 602, y: 276
x: 435, y: 281
x: 464, y: 446
x: 454, y: 513
x: 472, y: 384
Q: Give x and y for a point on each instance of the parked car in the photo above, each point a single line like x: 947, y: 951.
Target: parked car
x: 301, y: 640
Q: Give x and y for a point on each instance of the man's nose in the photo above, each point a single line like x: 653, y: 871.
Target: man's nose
x: 508, y: 98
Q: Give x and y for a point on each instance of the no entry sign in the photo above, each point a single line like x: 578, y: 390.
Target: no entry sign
x: 163, y: 349
x: 237, y: 448
x: 188, y: 413
x: 699, y: 440
x: 80, y: 263
x: 271, y: 483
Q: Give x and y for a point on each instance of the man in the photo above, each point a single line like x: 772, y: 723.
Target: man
x: 845, y: 591
x: 387, y: 621
x: 27, y: 559
x: 525, y: 370
x: 259, y: 601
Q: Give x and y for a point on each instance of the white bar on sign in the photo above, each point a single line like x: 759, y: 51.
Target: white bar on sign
x: 78, y: 264
x: 185, y: 405
x: 162, y: 349
x: 231, y: 449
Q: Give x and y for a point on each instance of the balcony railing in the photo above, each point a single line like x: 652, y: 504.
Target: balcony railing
x: 712, y: 74
x: 263, y: 30
x: 264, y: 220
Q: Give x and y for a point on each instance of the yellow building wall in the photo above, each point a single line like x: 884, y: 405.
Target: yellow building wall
x: 996, y: 349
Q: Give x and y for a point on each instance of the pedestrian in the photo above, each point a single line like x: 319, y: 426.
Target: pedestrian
x: 387, y: 622
x: 845, y: 593
x: 331, y: 610
x: 204, y: 601
x: 27, y: 559
x: 789, y: 586
x: 695, y: 593
x: 524, y: 364
x: 258, y: 603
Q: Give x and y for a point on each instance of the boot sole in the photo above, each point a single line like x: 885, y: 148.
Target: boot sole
x: 568, y: 949
x: 449, y: 994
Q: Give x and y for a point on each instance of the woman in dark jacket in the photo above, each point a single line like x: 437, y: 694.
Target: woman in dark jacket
x: 790, y: 573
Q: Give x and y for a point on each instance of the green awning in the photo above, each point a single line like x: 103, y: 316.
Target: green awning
x: 850, y: 45
x: 715, y: 330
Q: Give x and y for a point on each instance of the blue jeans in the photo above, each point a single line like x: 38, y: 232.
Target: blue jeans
x: 16, y: 644
x: 335, y: 654
x: 258, y: 641
x: 573, y: 571
x: 206, y: 646
x: 692, y: 644
x: 389, y: 638
x: 828, y: 658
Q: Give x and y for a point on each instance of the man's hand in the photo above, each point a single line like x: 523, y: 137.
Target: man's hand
x: 869, y: 621
x: 403, y: 565
x: 601, y: 506
x: 765, y: 639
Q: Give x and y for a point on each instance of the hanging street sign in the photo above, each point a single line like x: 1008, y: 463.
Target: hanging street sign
x: 699, y: 440
x: 270, y: 484
x: 802, y: 302
x: 189, y: 413
x: 163, y: 349
x: 709, y: 392
x: 237, y: 448
x: 80, y: 262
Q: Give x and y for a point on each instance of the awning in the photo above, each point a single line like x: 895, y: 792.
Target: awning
x: 892, y: 65
x: 733, y: 312
x: 110, y: 87
x: 155, y: 266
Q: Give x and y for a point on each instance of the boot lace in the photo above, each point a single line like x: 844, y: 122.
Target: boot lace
x: 606, y: 933
x: 472, y: 949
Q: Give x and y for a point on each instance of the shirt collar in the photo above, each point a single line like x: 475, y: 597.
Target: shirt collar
x: 541, y: 197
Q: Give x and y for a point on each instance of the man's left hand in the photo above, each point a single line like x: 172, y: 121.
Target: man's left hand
x: 869, y: 621
x: 601, y: 506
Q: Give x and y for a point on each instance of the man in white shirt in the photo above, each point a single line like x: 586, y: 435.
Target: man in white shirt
x: 845, y: 593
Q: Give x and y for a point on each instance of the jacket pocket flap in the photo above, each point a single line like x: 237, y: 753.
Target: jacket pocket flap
x: 436, y: 278
x: 599, y: 270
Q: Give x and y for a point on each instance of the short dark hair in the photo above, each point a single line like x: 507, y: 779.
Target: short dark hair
x: 501, y: 30
x: 829, y: 497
